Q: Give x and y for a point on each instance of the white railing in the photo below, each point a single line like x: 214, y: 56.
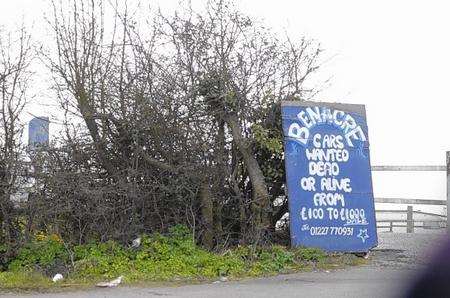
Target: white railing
x: 410, y: 222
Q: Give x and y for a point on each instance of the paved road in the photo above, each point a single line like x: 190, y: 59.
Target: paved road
x: 405, y: 251
x: 360, y: 282
x: 397, y: 259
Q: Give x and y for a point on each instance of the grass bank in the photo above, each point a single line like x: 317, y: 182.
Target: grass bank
x: 172, y: 258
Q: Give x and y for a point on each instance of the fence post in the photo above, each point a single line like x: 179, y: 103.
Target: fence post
x: 391, y: 227
x: 448, y: 190
x: 409, y: 220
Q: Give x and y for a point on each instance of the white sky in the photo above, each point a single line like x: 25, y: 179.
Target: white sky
x: 392, y: 56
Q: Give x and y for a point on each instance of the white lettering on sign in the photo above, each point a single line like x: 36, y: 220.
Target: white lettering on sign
x: 323, y: 168
x: 339, y: 155
x: 328, y: 199
x: 324, y: 159
x: 333, y: 184
x: 313, y: 116
x: 299, y: 133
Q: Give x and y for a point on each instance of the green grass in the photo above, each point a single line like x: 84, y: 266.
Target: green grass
x: 172, y: 258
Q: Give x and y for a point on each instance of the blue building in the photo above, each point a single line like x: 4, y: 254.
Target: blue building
x: 38, y: 131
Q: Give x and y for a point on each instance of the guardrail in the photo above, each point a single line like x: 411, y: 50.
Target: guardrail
x: 410, y: 223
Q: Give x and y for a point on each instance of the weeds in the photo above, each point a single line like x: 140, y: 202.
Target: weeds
x: 158, y: 258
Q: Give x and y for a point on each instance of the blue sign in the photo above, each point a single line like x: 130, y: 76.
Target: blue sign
x: 329, y: 179
x: 38, y: 131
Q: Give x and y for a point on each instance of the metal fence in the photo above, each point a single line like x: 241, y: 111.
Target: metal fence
x: 412, y: 221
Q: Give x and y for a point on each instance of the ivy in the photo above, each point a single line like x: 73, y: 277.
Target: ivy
x: 267, y: 138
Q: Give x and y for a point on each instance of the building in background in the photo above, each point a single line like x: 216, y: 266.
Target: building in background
x: 38, y: 135
x: 38, y: 132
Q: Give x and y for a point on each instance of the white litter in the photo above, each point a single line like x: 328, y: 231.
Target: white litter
x: 58, y: 276
x: 221, y: 279
x: 110, y: 284
x: 136, y: 242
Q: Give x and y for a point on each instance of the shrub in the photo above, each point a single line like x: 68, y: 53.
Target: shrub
x: 46, y: 255
x: 106, y: 259
x: 309, y: 254
x: 159, y: 257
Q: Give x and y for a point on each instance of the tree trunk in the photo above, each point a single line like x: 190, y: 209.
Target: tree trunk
x: 261, y: 202
x: 87, y: 112
x: 243, y: 220
x: 207, y: 214
x: 222, y: 171
x: 10, y: 227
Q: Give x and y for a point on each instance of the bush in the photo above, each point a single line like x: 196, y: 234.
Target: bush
x: 46, y: 255
x: 309, y: 254
x: 158, y: 258
x: 107, y: 259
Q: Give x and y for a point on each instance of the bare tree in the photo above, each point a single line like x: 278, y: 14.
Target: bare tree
x: 172, y: 112
x: 15, y: 58
x: 240, y: 70
x: 140, y: 153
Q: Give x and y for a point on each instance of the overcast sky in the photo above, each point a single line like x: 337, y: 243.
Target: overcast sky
x: 392, y: 56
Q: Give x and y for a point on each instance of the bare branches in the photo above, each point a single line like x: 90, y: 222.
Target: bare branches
x: 169, y: 111
x: 15, y: 74
x: 15, y: 59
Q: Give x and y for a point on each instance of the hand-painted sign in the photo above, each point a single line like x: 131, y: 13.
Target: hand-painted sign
x: 328, y: 174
